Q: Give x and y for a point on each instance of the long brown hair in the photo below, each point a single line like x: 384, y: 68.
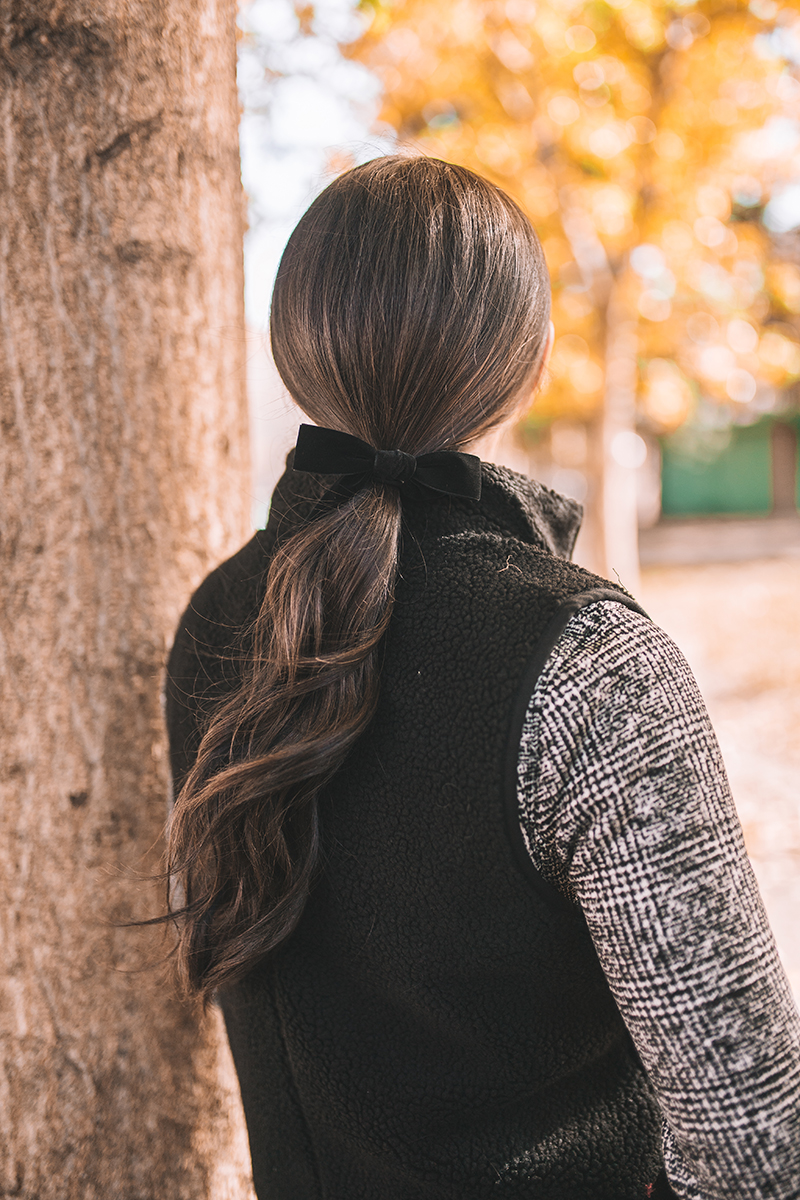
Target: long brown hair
x: 411, y: 309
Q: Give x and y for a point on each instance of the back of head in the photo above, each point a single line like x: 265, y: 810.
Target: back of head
x: 411, y: 306
x: 411, y: 309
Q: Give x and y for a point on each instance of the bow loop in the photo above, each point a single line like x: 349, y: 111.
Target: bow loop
x: 332, y: 452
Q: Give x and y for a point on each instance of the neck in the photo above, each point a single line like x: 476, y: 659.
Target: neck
x: 489, y: 447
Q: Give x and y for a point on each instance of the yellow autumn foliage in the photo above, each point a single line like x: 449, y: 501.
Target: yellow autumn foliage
x: 643, y: 140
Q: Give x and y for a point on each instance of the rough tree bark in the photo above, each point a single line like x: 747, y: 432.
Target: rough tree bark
x: 123, y: 477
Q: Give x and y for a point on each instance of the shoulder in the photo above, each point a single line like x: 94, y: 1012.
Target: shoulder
x: 205, y: 659
x: 615, y: 736
x: 616, y: 724
x: 603, y: 627
x: 489, y: 569
x: 614, y: 698
x: 226, y: 600
x: 210, y: 643
x: 609, y: 640
x: 227, y: 595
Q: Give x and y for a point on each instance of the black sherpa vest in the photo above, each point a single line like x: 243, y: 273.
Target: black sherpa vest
x: 438, y: 1026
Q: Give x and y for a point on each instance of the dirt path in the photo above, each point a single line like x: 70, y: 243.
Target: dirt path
x: 739, y: 627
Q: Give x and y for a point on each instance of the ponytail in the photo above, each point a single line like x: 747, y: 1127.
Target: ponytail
x: 244, y: 837
x: 411, y: 310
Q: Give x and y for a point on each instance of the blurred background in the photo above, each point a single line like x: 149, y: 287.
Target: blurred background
x: 656, y: 148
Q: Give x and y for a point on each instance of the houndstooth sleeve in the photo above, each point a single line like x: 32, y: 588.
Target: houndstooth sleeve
x: 625, y: 807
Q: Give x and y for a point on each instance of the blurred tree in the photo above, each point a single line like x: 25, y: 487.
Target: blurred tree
x: 636, y: 134
x: 123, y: 474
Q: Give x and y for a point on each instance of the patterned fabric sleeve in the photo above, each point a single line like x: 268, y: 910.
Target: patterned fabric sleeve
x: 625, y: 807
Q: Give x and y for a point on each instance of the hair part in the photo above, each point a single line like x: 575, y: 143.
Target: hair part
x: 411, y: 309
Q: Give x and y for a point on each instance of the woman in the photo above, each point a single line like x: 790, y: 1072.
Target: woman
x: 455, y: 841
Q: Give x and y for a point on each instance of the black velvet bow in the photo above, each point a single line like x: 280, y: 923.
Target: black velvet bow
x: 331, y: 452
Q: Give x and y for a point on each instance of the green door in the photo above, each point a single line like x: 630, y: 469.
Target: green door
x: 729, y: 470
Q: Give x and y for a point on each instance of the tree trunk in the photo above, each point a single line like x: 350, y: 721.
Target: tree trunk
x: 123, y: 479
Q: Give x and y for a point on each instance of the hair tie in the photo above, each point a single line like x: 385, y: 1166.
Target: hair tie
x: 394, y: 466
x: 332, y: 452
